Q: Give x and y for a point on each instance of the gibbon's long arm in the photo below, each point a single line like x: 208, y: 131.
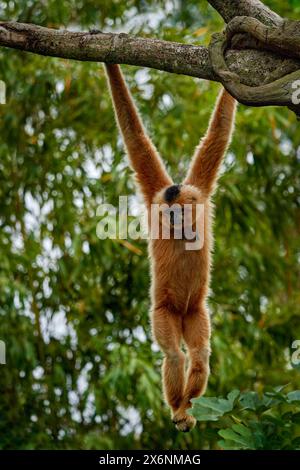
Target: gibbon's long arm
x: 145, y: 160
x: 203, y: 171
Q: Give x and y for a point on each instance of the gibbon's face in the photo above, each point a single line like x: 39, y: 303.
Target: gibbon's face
x: 178, y: 208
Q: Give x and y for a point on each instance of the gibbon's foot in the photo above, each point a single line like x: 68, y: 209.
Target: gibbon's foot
x: 183, y: 421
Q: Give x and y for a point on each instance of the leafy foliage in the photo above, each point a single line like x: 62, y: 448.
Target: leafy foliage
x: 246, y: 420
x: 81, y: 369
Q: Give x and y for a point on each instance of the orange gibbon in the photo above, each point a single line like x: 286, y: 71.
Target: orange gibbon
x: 180, y: 277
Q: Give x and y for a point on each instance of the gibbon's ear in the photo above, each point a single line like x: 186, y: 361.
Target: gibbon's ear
x: 203, y: 171
x: 144, y: 158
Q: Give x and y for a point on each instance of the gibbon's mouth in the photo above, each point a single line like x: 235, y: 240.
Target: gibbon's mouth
x: 174, y: 217
x: 178, y: 217
x: 180, y: 231
x: 188, y: 234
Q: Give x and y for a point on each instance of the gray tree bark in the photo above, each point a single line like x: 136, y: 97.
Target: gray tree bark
x: 243, y: 71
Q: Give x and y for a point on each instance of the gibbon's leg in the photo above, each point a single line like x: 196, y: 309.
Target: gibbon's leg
x: 205, y: 164
x: 196, y: 334
x: 167, y: 330
x: 144, y: 158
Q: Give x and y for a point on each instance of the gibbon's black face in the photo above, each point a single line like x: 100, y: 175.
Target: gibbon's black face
x: 178, y: 206
x: 172, y: 192
x: 174, y: 214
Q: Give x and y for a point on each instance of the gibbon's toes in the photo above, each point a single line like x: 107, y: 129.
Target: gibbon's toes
x: 185, y: 425
x: 184, y: 422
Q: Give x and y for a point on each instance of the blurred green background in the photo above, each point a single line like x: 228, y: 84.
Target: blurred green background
x: 81, y: 370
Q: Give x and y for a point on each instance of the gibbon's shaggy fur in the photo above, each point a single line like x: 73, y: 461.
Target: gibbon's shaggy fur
x: 180, y: 278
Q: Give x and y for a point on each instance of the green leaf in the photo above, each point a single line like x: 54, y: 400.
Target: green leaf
x: 205, y: 408
x: 250, y: 400
x: 240, y: 435
x: 294, y: 396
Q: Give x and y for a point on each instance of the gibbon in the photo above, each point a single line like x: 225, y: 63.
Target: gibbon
x: 180, y: 277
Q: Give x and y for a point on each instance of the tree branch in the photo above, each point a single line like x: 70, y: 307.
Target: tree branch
x: 228, y: 9
x: 264, y: 30
x: 284, y: 39
x: 252, y: 66
x: 245, y: 70
x: 106, y: 47
x: 278, y: 92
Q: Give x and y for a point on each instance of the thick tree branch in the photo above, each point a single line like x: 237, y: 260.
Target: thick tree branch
x: 252, y: 66
x: 228, y: 9
x: 264, y: 30
x: 246, y: 73
x: 284, y: 39
x: 107, y: 47
x: 278, y: 92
